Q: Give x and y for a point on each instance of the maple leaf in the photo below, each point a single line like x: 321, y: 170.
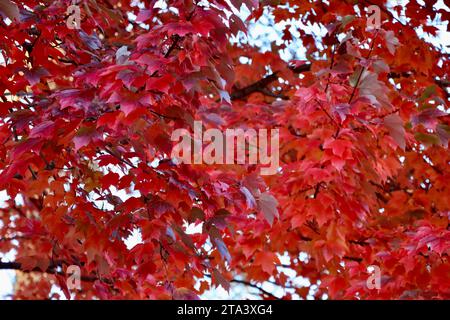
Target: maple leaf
x: 373, y: 89
x: 391, y: 41
x: 9, y: 10
x: 395, y: 125
x: 268, y: 206
x: 267, y: 261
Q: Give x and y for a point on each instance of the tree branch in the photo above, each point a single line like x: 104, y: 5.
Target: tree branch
x: 302, y: 68
x: 443, y: 84
x: 249, y: 284
x: 260, y: 85
x: 362, y: 69
x: 254, y: 87
x: 50, y: 270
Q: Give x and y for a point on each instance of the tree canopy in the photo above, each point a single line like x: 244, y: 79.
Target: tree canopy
x: 86, y: 116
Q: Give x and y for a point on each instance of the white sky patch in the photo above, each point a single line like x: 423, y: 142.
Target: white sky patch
x: 133, y: 239
x: 7, y: 277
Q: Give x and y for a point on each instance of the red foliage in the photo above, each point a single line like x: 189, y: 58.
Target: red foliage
x: 363, y: 176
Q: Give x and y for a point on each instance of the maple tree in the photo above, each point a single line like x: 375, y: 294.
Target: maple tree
x: 86, y: 119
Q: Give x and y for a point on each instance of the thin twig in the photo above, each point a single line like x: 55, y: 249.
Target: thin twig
x: 249, y: 284
x: 362, y: 69
x: 333, y: 52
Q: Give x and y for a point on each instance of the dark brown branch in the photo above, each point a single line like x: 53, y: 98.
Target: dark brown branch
x: 254, y: 87
x: 50, y: 270
x: 261, y: 85
x: 65, y: 60
x: 177, y: 38
x: 173, y: 45
x: 32, y: 173
x: 359, y: 242
x: 269, y: 93
x: 353, y: 259
x: 442, y: 83
x: 249, y: 284
x: 12, y: 238
x: 163, y: 116
x: 125, y: 161
x: 304, y: 238
x: 302, y: 68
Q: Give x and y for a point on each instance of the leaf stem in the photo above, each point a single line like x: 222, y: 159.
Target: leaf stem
x: 363, y: 68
